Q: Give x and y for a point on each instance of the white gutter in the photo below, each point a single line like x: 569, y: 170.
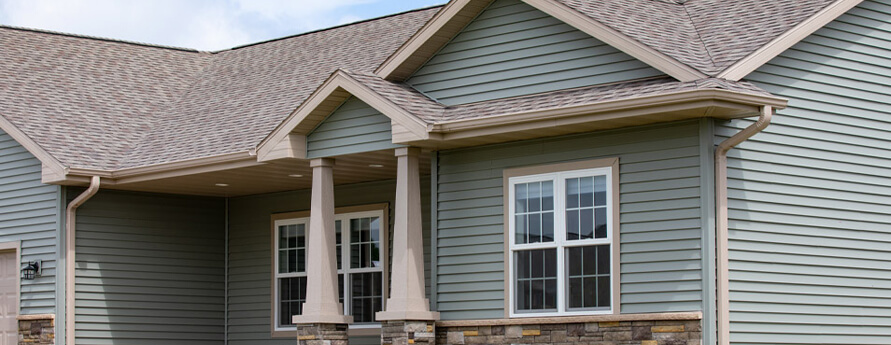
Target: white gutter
x: 69, y: 256
x: 721, y: 221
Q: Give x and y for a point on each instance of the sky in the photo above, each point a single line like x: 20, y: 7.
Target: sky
x: 208, y: 25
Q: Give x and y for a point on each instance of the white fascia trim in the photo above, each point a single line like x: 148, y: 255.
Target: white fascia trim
x: 593, y: 109
x: 750, y: 63
x: 340, y: 80
x: 417, y: 40
x: 23, y: 139
x: 618, y: 40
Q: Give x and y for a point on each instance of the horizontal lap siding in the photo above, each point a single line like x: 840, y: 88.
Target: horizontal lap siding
x: 249, y: 252
x: 150, y: 269
x: 513, y: 49
x: 660, y: 217
x: 810, y: 199
x: 29, y: 213
x: 353, y: 128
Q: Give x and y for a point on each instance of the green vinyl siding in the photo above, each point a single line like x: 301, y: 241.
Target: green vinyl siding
x: 354, y: 127
x: 150, y: 269
x: 810, y: 202
x: 29, y: 213
x: 512, y: 49
x: 661, y: 218
x: 250, y: 251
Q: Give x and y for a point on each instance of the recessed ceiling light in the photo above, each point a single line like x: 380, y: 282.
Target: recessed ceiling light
x: 375, y: 166
x: 222, y: 185
x: 295, y: 175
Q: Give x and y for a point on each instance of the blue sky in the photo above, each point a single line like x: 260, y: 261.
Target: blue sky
x: 199, y: 24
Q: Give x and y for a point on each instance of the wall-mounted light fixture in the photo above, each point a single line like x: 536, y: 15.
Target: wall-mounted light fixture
x: 33, y: 270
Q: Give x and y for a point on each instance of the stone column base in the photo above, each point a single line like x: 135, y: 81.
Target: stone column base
x: 323, y: 334
x: 37, y: 329
x: 404, y: 332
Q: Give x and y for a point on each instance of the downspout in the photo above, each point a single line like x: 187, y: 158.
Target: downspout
x: 721, y: 221
x: 69, y: 256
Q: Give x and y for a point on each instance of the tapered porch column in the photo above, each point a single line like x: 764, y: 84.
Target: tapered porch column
x: 322, y: 304
x: 408, y: 310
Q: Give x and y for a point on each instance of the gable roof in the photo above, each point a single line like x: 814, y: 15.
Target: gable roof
x: 686, y: 39
x: 102, y: 105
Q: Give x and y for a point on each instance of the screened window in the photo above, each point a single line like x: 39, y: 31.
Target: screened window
x: 561, y: 249
x: 359, y: 243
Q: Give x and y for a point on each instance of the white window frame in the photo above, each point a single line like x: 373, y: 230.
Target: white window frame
x: 343, y: 215
x: 559, y: 173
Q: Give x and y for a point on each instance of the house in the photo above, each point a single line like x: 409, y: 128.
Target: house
x: 485, y: 172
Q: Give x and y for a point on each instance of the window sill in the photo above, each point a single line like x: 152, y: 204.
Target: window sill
x: 689, y: 316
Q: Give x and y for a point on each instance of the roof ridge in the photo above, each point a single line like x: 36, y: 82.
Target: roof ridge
x: 98, y: 38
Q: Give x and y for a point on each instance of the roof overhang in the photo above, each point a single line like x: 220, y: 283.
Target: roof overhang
x: 458, y: 13
x: 284, y: 142
x: 678, y: 106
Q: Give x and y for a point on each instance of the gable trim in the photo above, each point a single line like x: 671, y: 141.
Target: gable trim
x: 620, y: 41
x: 434, y: 35
x: 763, y: 55
x: 339, y: 85
x: 49, y: 162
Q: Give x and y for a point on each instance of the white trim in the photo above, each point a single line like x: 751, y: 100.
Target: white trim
x: 560, y: 242
x: 758, y: 58
x: 345, y: 269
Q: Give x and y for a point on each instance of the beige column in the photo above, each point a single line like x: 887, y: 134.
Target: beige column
x: 407, y: 297
x: 322, y: 301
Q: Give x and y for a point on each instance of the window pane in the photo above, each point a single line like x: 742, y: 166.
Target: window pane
x: 600, y: 222
x: 572, y: 193
x: 547, y: 227
x: 292, y: 248
x: 534, y: 197
x: 522, y: 232
x: 337, y: 238
x: 600, y: 190
x: 572, y: 225
x: 603, y: 292
x: 292, y: 294
x: 547, y: 196
x: 535, y: 228
x: 536, y: 279
x: 364, y: 246
x: 586, y: 224
x: 520, y: 205
x: 586, y: 192
x: 584, y: 276
x: 366, y: 296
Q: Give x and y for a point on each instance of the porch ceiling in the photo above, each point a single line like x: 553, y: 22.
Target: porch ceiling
x: 275, y: 176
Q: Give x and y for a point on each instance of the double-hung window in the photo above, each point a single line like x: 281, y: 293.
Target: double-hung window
x: 560, y: 241
x: 360, y: 243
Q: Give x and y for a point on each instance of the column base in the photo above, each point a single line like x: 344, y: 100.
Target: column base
x: 406, y: 332
x: 407, y: 315
x: 37, y: 329
x: 323, y: 334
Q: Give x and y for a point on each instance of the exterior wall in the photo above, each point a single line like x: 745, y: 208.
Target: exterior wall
x: 810, y: 221
x: 150, y: 269
x: 513, y: 49
x: 661, y: 217
x: 354, y: 127
x: 249, y: 253
x: 29, y: 212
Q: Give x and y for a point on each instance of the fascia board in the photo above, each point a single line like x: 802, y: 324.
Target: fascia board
x: 630, y: 46
x: 758, y: 58
x: 651, y: 104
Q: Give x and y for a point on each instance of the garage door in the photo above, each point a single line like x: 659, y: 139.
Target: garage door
x: 9, y: 303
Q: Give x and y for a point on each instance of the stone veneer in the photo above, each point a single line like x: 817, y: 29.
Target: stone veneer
x: 323, y: 334
x: 631, y: 332
x: 408, y: 332
x: 37, y: 329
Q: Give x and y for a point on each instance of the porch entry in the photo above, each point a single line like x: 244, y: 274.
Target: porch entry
x: 9, y: 274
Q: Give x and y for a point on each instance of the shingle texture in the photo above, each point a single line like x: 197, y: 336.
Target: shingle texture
x: 708, y: 35
x: 110, y: 105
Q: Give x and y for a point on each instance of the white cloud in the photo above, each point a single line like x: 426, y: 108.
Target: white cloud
x: 199, y: 24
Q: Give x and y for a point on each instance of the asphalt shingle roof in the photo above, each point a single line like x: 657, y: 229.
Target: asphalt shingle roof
x: 103, y: 104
